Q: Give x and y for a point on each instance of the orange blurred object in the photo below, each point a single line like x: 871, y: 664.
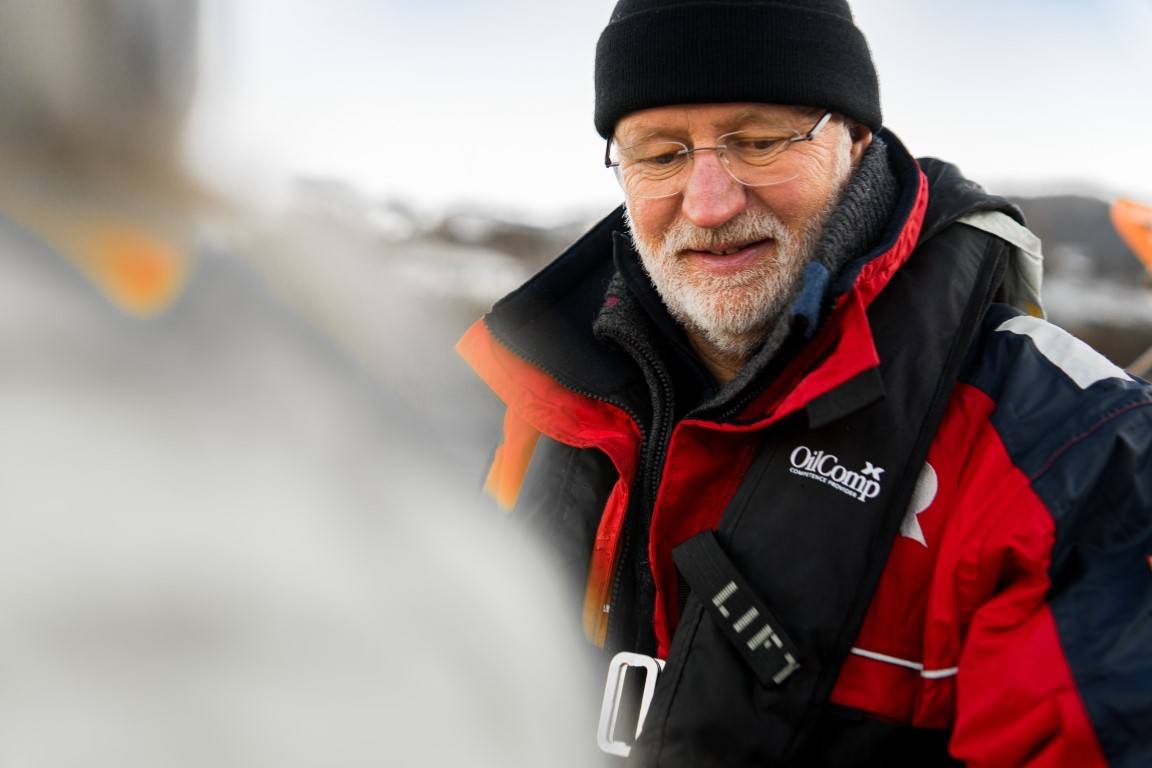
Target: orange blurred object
x: 141, y: 264
x: 1134, y: 223
x: 141, y: 273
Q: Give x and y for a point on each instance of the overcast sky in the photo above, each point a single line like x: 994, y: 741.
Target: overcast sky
x: 445, y: 101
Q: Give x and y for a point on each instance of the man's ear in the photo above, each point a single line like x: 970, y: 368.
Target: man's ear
x: 861, y: 136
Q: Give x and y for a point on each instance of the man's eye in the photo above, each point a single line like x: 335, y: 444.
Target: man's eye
x: 666, y: 158
x: 755, y: 145
x: 661, y: 155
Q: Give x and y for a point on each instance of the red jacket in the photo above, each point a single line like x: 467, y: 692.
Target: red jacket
x: 1015, y: 608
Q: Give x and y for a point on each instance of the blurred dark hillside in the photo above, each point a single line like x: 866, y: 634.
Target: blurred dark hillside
x: 1079, y: 238
x: 1094, y: 286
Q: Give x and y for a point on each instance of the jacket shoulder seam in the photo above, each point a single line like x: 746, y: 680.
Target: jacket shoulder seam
x: 1075, y: 440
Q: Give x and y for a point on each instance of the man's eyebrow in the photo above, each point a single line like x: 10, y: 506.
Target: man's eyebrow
x: 754, y: 115
x: 744, y: 116
x: 645, y: 135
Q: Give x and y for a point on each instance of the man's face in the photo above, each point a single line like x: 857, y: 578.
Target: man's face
x: 725, y: 257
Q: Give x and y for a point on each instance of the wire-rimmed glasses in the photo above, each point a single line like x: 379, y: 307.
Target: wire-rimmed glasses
x: 658, y: 168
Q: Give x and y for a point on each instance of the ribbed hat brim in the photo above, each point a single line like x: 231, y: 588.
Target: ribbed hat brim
x: 716, y: 53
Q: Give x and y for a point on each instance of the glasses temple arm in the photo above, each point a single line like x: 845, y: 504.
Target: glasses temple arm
x: 816, y: 128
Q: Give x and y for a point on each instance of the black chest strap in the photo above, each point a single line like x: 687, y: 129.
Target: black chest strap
x: 746, y: 621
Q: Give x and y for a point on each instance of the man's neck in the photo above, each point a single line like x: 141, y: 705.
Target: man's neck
x: 724, y: 365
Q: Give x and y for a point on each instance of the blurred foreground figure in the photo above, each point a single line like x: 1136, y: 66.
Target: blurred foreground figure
x: 793, y: 422
x: 94, y: 96
x: 222, y: 542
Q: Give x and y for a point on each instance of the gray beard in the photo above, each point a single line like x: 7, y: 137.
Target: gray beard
x: 732, y: 313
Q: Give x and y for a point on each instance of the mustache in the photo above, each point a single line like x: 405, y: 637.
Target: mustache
x: 748, y: 227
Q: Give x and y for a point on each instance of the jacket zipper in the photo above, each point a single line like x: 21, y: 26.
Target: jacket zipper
x: 624, y: 548
x: 648, y: 475
x: 647, y: 472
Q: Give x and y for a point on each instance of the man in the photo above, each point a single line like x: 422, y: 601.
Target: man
x: 792, y: 422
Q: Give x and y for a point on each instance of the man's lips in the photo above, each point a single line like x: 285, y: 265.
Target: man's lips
x: 726, y: 258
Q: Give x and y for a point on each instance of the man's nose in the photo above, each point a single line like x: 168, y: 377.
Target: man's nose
x: 711, y: 196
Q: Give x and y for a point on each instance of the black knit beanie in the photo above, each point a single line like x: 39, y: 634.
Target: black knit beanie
x: 809, y: 53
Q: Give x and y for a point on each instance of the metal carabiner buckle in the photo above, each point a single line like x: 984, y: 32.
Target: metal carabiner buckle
x: 613, y: 693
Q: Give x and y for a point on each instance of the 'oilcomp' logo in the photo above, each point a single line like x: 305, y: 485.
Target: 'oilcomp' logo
x: 826, y: 468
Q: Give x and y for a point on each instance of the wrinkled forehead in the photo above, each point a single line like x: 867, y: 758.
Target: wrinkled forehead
x: 689, y: 120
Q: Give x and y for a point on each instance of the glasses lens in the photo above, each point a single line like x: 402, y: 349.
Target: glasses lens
x: 757, y: 151
x: 651, y: 169
x: 757, y: 160
x: 660, y: 168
